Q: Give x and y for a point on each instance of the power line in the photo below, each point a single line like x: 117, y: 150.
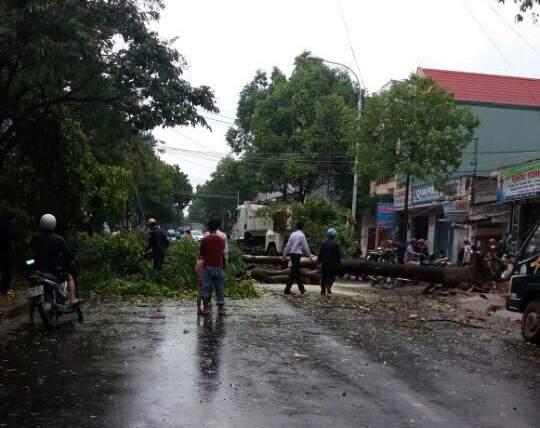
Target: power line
x: 344, y: 20
x: 473, y: 16
x: 492, y: 41
x: 218, y: 120
x: 330, y: 156
x: 293, y: 158
x: 511, y: 27
x: 206, y: 195
x: 224, y: 116
x: 194, y: 141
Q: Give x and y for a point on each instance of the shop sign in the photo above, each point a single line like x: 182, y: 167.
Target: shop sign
x: 456, y: 211
x: 399, y: 198
x: 385, y: 214
x: 519, y: 182
x: 425, y: 194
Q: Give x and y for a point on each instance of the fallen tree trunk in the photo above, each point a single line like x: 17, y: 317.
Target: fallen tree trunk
x: 281, y: 276
x: 277, y: 261
x: 448, y: 276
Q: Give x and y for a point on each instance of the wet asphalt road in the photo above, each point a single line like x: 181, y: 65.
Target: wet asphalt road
x: 269, y: 363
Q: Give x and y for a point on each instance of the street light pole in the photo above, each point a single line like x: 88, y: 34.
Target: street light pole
x: 359, y: 114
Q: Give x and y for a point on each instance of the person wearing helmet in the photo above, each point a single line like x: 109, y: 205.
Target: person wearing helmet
x: 157, y: 243
x: 423, y: 249
x: 330, y: 260
x: 412, y: 256
x: 52, y: 255
x: 492, y: 261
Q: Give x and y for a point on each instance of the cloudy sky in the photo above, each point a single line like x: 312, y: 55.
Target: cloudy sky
x: 225, y: 42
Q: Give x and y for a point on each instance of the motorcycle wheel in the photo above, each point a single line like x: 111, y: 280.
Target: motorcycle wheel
x: 389, y: 283
x: 47, y: 313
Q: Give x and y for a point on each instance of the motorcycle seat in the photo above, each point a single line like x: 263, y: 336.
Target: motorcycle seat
x: 49, y: 276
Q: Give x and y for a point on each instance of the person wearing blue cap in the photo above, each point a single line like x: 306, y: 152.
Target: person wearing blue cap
x: 330, y: 259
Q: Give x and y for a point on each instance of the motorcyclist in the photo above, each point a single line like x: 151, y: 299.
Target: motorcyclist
x: 157, y: 243
x: 52, y: 254
x: 493, y: 263
x: 422, y: 249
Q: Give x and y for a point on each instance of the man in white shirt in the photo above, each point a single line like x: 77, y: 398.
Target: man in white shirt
x: 296, y: 247
x: 467, y: 253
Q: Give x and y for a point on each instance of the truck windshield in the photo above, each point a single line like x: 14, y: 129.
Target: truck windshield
x: 532, y: 247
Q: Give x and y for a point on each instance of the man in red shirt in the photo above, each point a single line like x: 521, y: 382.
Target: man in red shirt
x: 212, y: 253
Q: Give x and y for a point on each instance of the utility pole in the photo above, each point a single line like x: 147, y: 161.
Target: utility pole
x: 474, y: 163
x: 359, y: 115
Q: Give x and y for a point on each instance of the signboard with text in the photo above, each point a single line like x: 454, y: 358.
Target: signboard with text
x: 519, y: 182
x: 385, y: 214
x: 425, y: 194
x: 456, y: 211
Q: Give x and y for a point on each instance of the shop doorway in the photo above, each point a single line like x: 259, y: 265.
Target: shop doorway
x: 442, y: 245
x: 420, y: 227
x: 372, y: 232
x: 384, y: 235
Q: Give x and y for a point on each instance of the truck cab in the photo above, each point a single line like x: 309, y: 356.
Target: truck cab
x: 249, y: 229
x: 261, y: 234
x: 524, y: 296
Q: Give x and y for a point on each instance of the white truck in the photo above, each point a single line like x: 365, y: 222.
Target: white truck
x: 266, y: 234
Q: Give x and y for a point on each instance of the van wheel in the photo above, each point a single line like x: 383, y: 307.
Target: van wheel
x: 530, y: 322
x: 272, y: 250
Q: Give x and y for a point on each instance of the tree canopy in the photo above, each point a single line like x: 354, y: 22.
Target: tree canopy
x: 414, y: 130
x: 81, y: 86
x: 296, y: 133
x: 524, y: 7
x: 217, y: 198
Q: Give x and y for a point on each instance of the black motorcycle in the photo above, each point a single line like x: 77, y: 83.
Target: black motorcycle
x: 382, y: 255
x: 49, y: 294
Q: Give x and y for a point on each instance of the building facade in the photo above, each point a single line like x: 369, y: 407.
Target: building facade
x: 508, y: 135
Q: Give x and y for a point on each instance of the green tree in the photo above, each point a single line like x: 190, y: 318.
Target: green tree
x: 524, y: 7
x: 81, y: 84
x: 162, y: 190
x: 66, y: 53
x: 414, y: 130
x: 232, y: 180
x: 297, y: 131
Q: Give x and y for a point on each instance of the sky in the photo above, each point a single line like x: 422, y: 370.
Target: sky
x: 225, y: 42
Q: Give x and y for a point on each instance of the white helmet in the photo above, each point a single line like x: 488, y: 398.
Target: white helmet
x: 48, y: 222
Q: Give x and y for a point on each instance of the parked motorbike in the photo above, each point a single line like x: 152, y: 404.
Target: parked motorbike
x: 49, y: 294
x: 440, y: 262
x: 383, y: 255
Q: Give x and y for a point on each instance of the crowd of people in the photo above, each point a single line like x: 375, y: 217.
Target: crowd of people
x: 52, y: 254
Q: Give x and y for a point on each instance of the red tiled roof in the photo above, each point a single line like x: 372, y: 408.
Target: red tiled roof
x: 487, y: 88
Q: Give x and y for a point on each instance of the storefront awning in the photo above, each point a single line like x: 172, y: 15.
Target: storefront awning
x: 487, y: 216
